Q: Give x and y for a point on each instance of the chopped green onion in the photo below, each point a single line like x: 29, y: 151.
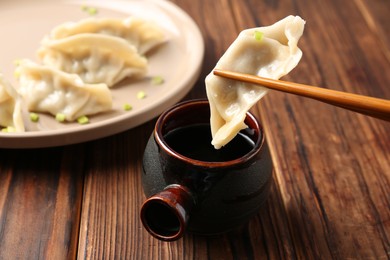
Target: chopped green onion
x: 60, y: 117
x: 127, y: 107
x: 141, y: 95
x: 90, y: 10
x: 157, y: 80
x: 34, y: 117
x: 8, y: 129
x: 82, y: 120
x: 258, y: 35
x: 16, y: 73
x: 17, y: 62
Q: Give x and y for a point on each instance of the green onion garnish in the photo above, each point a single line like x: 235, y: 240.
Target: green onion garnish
x: 82, y: 120
x: 17, y: 62
x: 60, y: 117
x: 141, y: 95
x: 34, y: 117
x: 90, y: 10
x: 127, y: 107
x: 9, y: 129
x: 157, y: 80
x: 258, y: 35
x: 16, y: 73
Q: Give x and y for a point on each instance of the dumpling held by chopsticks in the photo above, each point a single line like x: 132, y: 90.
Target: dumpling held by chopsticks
x: 269, y: 52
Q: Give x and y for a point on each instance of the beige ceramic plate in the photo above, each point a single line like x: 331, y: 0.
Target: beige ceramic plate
x: 23, y: 24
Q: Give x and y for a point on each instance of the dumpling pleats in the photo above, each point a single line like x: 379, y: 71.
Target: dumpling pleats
x: 96, y: 58
x: 45, y: 89
x: 144, y: 35
x: 10, y: 107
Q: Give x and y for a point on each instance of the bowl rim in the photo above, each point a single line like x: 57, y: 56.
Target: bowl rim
x: 250, y: 120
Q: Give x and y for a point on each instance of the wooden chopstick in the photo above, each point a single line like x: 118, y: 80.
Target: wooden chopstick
x: 374, y: 107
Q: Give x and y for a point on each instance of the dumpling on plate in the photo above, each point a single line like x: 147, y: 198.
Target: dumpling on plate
x: 270, y: 52
x: 10, y: 107
x: 144, y: 35
x: 45, y: 89
x: 96, y: 58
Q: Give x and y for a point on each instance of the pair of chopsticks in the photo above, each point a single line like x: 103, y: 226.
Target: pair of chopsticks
x: 374, y: 107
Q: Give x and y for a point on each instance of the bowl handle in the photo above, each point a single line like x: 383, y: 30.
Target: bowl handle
x: 165, y: 215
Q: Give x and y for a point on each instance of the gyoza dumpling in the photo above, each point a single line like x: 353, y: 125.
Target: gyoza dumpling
x: 10, y: 107
x: 46, y: 89
x: 96, y: 58
x: 144, y: 35
x: 270, y: 52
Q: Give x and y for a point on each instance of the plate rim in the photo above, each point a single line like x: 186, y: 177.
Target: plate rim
x: 123, y: 122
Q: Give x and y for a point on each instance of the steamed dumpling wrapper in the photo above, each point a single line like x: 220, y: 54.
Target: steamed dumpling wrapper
x: 10, y: 106
x: 269, y: 52
x: 96, y: 58
x: 46, y: 89
x: 144, y: 35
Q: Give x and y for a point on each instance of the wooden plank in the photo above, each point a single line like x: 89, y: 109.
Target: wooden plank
x: 40, y: 195
x: 330, y: 196
x: 110, y: 225
x: 103, y: 210
x: 332, y: 166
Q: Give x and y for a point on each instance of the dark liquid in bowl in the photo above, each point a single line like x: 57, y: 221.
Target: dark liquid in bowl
x: 195, y: 142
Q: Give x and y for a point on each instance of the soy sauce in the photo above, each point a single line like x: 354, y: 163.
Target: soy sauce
x: 195, y: 142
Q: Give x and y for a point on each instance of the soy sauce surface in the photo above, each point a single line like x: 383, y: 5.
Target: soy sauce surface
x: 195, y: 142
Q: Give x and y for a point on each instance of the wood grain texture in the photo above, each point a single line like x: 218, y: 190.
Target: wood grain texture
x: 110, y: 225
x: 330, y: 197
x: 40, y: 195
x: 333, y: 179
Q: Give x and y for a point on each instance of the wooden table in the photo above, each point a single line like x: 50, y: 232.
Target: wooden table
x: 331, y: 193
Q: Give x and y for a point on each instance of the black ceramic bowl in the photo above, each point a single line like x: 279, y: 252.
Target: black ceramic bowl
x: 203, y: 197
